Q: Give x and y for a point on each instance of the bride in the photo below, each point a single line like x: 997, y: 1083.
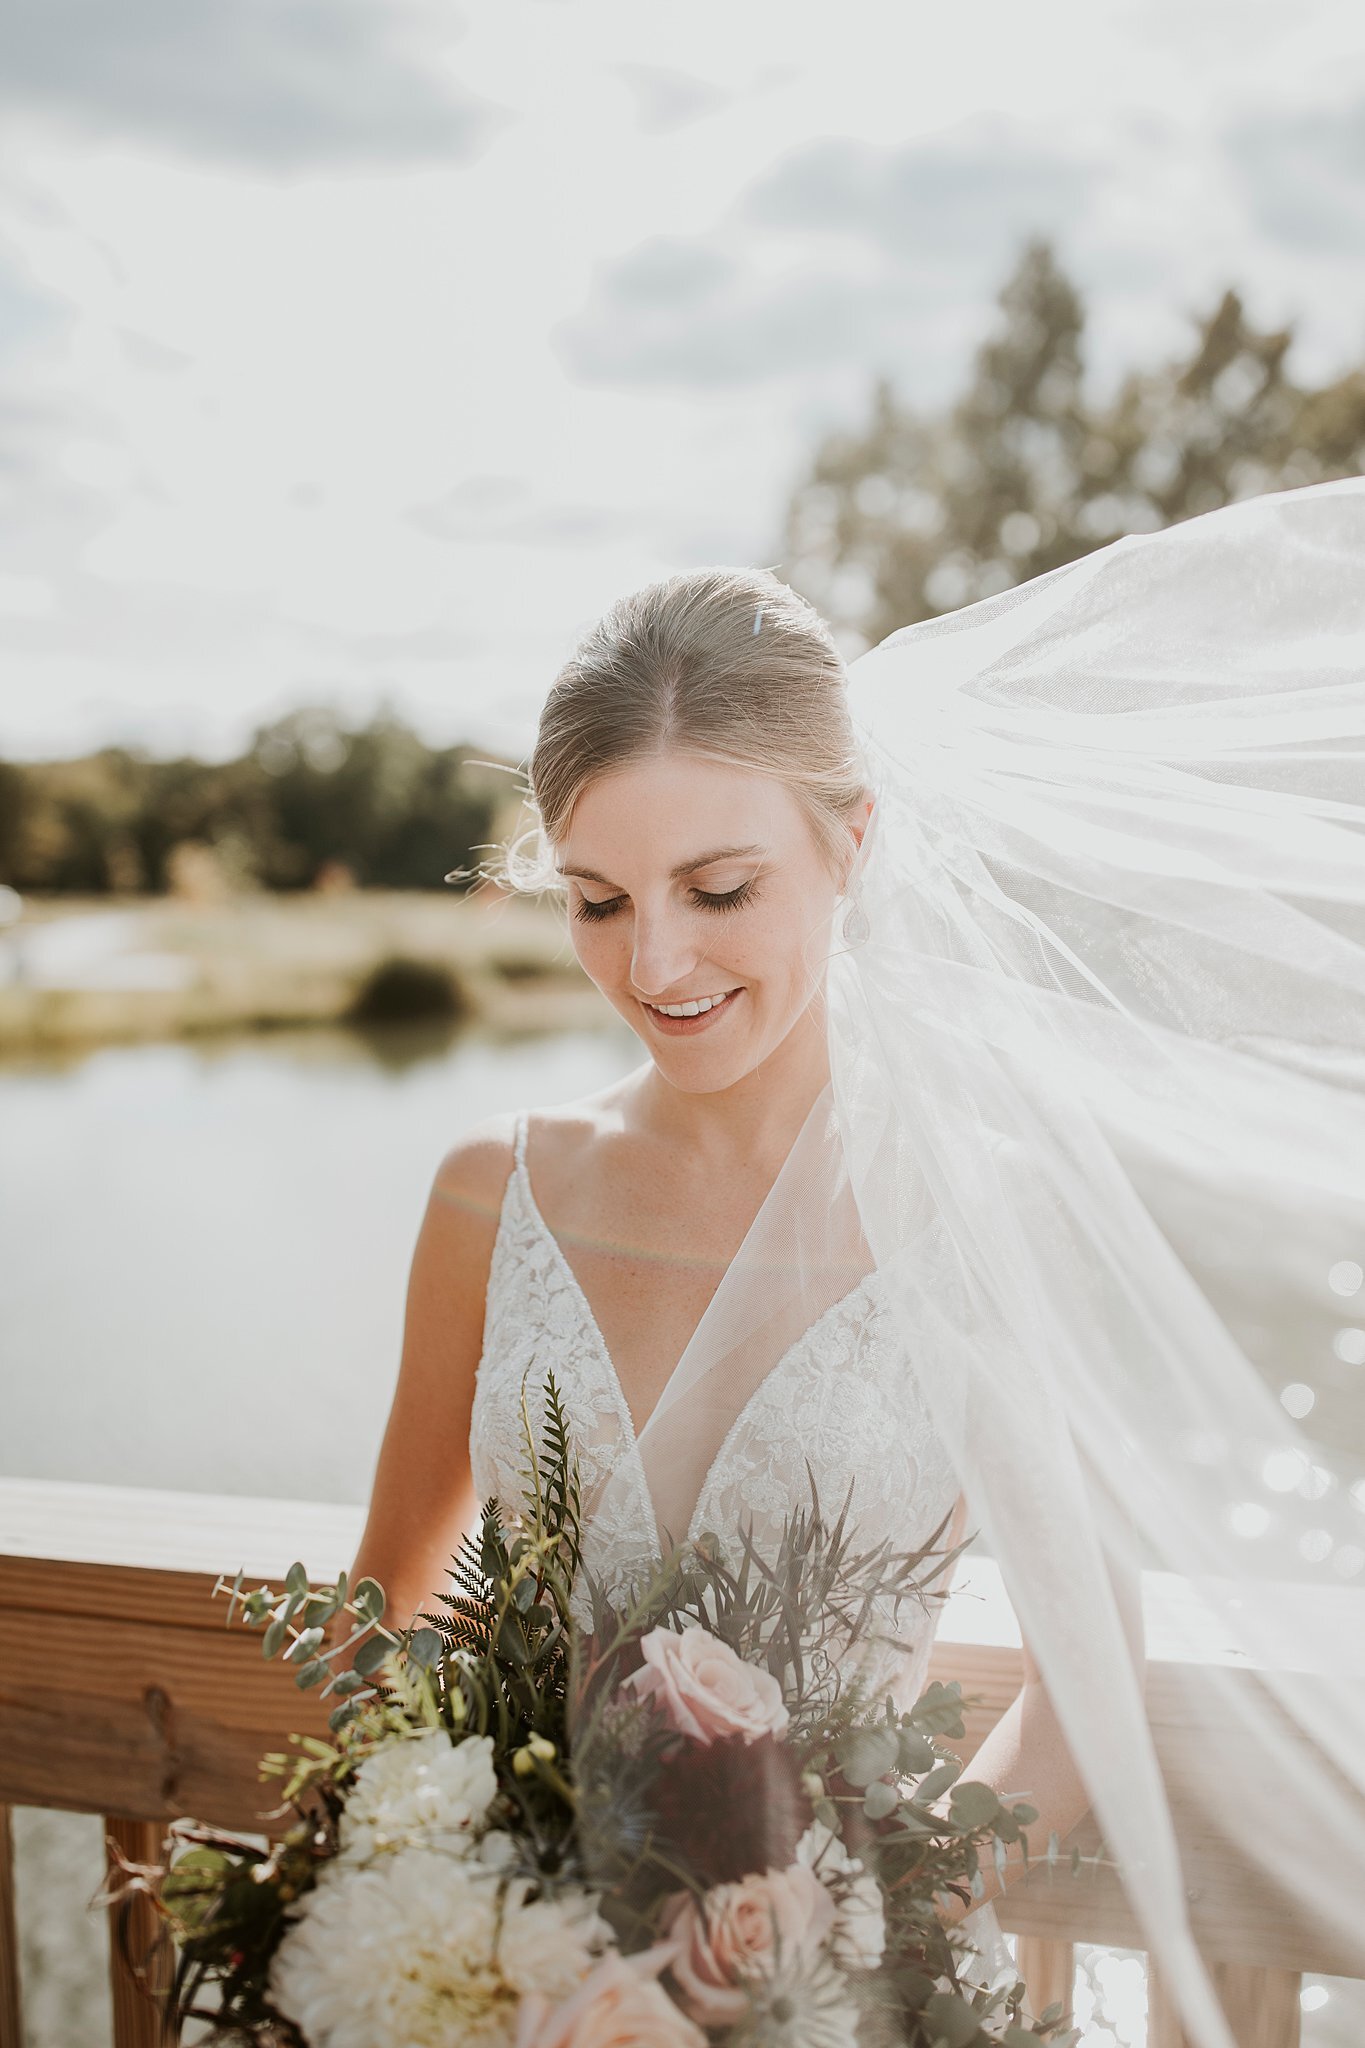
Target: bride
x: 703, y: 811
x: 966, y: 980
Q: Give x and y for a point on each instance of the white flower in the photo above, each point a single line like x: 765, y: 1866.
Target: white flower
x: 422, y: 1791
x: 548, y: 1945
x: 802, y: 2006
x: 859, y: 1937
x: 400, y: 1950
x: 426, y: 1950
x: 496, y: 1850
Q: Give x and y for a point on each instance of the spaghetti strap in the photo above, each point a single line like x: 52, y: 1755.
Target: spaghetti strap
x: 519, y: 1143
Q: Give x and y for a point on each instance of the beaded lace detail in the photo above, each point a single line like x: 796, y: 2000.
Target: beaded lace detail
x: 840, y: 1396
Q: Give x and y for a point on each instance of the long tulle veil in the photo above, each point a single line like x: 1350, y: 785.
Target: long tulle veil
x: 1096, y: 1013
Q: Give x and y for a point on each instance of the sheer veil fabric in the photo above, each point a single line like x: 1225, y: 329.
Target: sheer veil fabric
x: 1096, y: 1116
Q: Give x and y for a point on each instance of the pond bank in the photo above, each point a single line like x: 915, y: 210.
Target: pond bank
x: 102, y: 970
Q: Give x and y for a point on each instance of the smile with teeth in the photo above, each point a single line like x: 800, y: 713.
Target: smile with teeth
x: 696, y: 1008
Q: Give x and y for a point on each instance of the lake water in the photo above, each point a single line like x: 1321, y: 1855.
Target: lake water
x: 204, y: 1248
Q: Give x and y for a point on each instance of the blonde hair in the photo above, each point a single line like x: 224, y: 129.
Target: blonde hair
x: 731, y: 665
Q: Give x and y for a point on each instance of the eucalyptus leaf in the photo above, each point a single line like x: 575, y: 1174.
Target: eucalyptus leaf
x: 424, y: 1648
x: 915, y: 1752
x: 312, y: 1674
x: 938, y: 1710
x: 880, y: 1800
x: 974, y: 1805
x: 296, y: 1579
x: 951, y: 2019
x: 273, y: 1637
x: 369, y: 1601
x: 867, y: 1753
x: 371, y: 1654
x: 937, y: 1781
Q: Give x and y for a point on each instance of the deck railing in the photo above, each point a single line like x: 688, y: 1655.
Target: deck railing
x: 124, y: 1694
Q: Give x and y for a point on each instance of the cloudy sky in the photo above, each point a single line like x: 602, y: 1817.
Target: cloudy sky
x: 354, y: 349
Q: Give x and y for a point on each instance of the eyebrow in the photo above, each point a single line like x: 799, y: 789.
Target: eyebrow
x: 684, y: 867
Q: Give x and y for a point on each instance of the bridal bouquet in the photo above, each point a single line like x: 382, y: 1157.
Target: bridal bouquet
x: 685, y: 1826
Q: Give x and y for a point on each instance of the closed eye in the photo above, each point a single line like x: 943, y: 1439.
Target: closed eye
x: 705, y: 899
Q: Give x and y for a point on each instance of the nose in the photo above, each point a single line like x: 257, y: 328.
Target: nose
x: 664, y: 954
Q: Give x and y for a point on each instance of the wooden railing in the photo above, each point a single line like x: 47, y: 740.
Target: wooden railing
x: 123, y: 1693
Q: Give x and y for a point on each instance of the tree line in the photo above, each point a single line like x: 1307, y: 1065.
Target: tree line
x: 308, y: 797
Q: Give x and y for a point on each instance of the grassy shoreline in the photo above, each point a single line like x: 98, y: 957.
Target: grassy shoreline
x: 90, y: 971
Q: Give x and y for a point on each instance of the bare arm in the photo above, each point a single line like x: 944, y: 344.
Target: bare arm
x: 422, y: 1500
x: 1026, y: 1753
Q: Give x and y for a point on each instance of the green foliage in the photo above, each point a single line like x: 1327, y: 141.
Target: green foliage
x: 309, y: 790
x: 912, y: 515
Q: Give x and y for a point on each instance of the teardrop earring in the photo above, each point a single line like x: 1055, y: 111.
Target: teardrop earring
x: 855, y: 926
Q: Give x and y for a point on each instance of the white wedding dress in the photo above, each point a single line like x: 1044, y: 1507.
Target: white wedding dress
x: 839, y: 1396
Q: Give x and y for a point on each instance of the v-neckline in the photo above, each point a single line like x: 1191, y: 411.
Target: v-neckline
x: 618, y: 1392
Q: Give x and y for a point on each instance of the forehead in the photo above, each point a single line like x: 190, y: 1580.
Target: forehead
x: 671, y: 807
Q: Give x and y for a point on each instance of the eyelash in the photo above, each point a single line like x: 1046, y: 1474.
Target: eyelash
x: 729, y: 899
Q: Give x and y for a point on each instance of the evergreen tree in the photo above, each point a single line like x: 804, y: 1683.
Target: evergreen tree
x: 916, y: 515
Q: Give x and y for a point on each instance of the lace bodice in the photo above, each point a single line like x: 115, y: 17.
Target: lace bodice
x: 840, y: 1396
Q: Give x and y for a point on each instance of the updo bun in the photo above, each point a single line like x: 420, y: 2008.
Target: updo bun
x: 727, y: 664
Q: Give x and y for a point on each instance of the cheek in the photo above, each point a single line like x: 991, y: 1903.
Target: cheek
x: 597, y: 947
x: 789, y: 941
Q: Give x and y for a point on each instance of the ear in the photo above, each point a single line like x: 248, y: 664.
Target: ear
x: 858, y: 820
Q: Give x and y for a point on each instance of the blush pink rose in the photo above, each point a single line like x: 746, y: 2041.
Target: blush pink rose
x: 618, y: 2005
x: 704, y: 1689
x: 736, y: 1931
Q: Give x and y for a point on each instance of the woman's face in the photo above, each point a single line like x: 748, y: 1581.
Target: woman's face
x: 688, y: 880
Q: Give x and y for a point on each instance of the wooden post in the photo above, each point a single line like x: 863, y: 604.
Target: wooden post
x: 1262, y: 2007
x: 138, y: 2022
x: 1048, y: 1969
x: 11, y: 2024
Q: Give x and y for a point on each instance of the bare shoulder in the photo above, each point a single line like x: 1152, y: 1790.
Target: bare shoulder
x: 472, y: 1176
x: 562, y: 1140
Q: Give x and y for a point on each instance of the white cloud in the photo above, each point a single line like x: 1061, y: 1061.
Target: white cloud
x: 284, y: 83
x: 379, y: 361
x: 26, y: 597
